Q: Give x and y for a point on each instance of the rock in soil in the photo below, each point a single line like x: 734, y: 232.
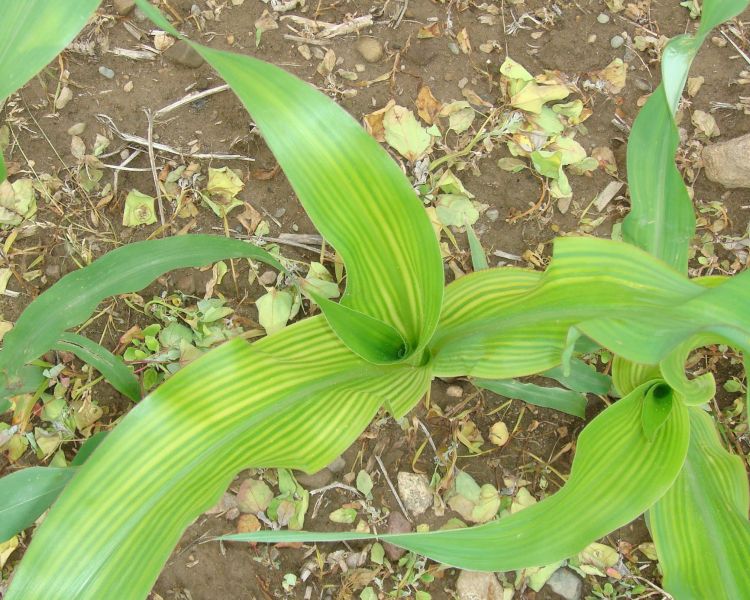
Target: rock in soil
x: 123, y: 7
x: 415, y: 492
x: 472, y: 585
x: 728, y: 163
x: 566, y: 584
x: 338, y: 465
x: 314, y: 480
x: 370, y: 49
x: 397, y: 523
x: 181, y: 53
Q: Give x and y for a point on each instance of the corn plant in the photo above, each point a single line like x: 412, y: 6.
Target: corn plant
x: 298, y: 398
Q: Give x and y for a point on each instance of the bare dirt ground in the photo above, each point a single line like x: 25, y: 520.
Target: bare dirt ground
x: 460, y: 61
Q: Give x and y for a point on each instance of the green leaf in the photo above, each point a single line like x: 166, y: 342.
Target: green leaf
x: 567, y: 401
x: 139, y: 210
x: 581, y: 378
x: 87, y: 448
x: 355, y: 195
x: 32, y: 33
x: 236, y: 407
x: 700, y: 526
x: 505, y: 323
x: 657, y: 406
x: 616, y: 475
x: 112, y: 367
x: 478, y: 258
x: 74, y: 297
x: 26, y: 494
x: 661, y: 219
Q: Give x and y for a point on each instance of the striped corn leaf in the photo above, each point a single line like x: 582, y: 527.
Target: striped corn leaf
x: 700, y: 526
x: 296, y: 399
x: 616, y: 475
x: 364, y: 207
x: 504, y: 323
x: 661, y: 218
x: 32, y: 33
x: 128, y: 269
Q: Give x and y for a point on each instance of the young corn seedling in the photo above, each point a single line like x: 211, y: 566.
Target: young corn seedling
x: 298, y: 398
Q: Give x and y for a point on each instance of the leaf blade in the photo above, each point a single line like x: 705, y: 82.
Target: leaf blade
x: 117, y: 522
x: 700, y: 526
x: 110, y: 366
x: 593, y: 502
x: 26, y: 494
x: 130, y: 268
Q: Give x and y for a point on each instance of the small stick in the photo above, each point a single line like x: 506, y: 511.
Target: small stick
x: 736, y: 47
x: 123, y: 166
x: 134, y: 139
x: 304, y: 40
x: 192, y: 97
x: 152, y: 160
x: 393, y: 489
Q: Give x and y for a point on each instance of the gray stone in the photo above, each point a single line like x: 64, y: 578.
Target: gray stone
x: 617, y: 41
x: 123, y: 7
x: 397, y: 523
x: 728, y: 163
x: 473, y: 585
x: 603, y: 18
x: 415, y: 492
x: 313, y: 481
x: 181, y: 53
x: 268, y: 278
x: 370, y: 49
x: 106, y: 72
x: 566, y: 584
x: 338, y: 465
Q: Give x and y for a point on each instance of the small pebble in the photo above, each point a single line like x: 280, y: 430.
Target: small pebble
x: 123, y: 7
x: 453, y: 47
x: 454, y: 391
x: 338, y: 465
x: 592, y: 38
x: 359, y: 68
x: 718, y: 41
x: 181, y: 53
x: 128, y: 87
x: 493, y: 214
x: 617, y: 41
x: 603, y: 18
x: 268, y: 278
x: 77, y: 129
x: 462, y: 83
x: 642, y: 84
x: 106, y: 72
x: 279, y: 212
x: 370, y: 49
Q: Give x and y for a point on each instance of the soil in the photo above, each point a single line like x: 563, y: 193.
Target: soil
x: 72, y: 229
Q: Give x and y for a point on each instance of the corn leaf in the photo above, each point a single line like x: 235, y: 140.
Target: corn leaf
x: 72, y: 299
x: 32, y: 33
x: 26, y: 494
x: 567, y: 401
x: 112, y: 367
x: 296, y: 399
x: 506, y: 323
x: 581, y: 378
x: 354, y: 194
x: 616, y: 475
x: 700, y: 526
x: 661, y: 219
